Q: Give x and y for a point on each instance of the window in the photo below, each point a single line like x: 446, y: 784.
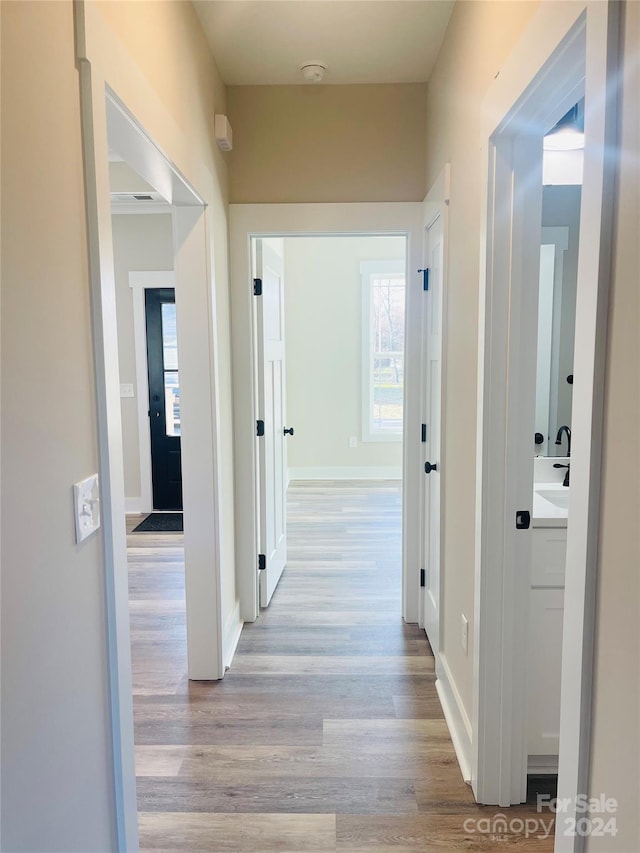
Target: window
x: 170, y: 369
x: 383, y: 296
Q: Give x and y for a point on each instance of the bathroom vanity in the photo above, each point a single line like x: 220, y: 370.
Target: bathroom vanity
x: 546, y: 608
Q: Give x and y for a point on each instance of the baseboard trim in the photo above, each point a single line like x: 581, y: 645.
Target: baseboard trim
x: 455, y: 716
x: 232, y: 632
x: 381, y: 472
x: 542, y: 765
x: 134, y: 506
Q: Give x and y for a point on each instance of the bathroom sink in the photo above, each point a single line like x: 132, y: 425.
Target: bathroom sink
x: 556, y: 497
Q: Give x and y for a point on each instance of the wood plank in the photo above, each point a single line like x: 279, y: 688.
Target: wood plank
x: 326, y: 733
x: 204, y: 833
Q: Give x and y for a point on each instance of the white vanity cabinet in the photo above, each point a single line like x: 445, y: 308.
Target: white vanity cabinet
x: 546, y: 609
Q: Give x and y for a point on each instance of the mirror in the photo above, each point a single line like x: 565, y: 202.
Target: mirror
x: 562, y: 170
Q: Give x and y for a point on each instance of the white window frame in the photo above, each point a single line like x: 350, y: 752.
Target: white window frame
x: 370, y: 270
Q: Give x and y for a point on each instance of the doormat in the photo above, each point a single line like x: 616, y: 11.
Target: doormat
x: 161, y: 522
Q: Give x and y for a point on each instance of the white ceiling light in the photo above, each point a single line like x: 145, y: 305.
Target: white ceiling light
x: 313, y: 72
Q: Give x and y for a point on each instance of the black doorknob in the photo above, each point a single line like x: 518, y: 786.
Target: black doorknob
x: 428, y: 467
x: 288, y: 430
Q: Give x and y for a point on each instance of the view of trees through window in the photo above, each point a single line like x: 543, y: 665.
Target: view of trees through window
x: 387, y: 352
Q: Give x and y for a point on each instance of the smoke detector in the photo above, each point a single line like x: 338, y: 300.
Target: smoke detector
x: 313, y: 72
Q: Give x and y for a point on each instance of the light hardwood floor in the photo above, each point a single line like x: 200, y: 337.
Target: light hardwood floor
x: 327, y: 733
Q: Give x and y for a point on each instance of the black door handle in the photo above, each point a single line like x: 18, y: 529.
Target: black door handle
x: 428, y: 467
x: 288, y: 430
x: 523, y: 519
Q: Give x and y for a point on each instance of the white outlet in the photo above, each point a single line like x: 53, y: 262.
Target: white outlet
x: 126, y: 390
x: 464, y: 636
x: 86, y: 501
x: 353, y: 441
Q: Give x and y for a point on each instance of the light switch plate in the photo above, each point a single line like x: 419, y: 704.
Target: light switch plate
x: 126, y: 390
x: 464, y: 636
x: 86, y: 502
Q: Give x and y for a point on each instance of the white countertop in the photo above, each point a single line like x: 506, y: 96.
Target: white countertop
x: 546, y: 513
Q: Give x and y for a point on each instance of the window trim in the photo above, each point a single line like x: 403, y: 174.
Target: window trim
x: 393, y: 268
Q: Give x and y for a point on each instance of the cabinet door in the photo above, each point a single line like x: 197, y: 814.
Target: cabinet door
x: 549, y: 556
x: 546, y: 610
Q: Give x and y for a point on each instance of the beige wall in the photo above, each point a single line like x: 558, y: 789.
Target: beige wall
x: 480, y: 37
x: 56, y: 742
x: 327, y: 143
x: 140, y: 242
x: 615, y: 762
x: 56, y: 760
x: 323, y: 305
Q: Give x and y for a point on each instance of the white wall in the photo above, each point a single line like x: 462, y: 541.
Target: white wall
x: 323, y: 305
x: 140, y: 242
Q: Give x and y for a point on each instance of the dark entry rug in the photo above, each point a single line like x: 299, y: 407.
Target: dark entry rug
x: 161, y: 522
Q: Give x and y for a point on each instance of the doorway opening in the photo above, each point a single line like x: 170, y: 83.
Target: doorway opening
x: 562, y: 172
x: 555, y: 70
x: 330, y: 413
x: 164, y: 398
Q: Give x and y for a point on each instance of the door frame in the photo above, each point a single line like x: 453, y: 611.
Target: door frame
x: 567, y: 51
x: 436, y: 204
x: 140, y: 281
x: 104, y: 68
x: 321, y: 219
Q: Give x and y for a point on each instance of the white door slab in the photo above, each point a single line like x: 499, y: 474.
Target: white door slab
x: 271, y: 409
x: 432, y: 397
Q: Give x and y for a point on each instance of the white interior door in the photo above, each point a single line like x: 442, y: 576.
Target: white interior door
x: 432, y: 401
x: 271, y: 410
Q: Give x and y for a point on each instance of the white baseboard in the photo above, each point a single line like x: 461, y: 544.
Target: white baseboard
x: 542, y: 765
x: 134, y: 506
x: 232, y: 631
x: 455, y: 716
x: 381, y: 472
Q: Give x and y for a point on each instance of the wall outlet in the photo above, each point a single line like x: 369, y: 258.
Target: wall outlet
x: 126, y: 390
x: 464, y: 635
x: 353, y: 441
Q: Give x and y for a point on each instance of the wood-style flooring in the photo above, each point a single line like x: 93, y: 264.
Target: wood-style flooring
x: 327, y: 733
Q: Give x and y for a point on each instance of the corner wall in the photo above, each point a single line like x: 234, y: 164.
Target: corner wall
x: 480, y: 37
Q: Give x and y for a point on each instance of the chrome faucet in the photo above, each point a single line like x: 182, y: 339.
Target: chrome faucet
x: 567, y: 431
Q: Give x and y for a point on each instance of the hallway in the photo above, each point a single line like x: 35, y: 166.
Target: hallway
x: 327, y: 733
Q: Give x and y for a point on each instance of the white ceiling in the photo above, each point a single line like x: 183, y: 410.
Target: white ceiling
x: 361, y: 41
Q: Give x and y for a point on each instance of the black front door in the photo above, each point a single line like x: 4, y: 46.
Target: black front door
x: 164, y: 398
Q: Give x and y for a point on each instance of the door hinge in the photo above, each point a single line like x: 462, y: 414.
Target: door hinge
x: 422, y: 577
x: 424, y: 433
x: 257, y: 287
x: 259, y: 428
x: 425, y: 278
x: 262, y: 562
